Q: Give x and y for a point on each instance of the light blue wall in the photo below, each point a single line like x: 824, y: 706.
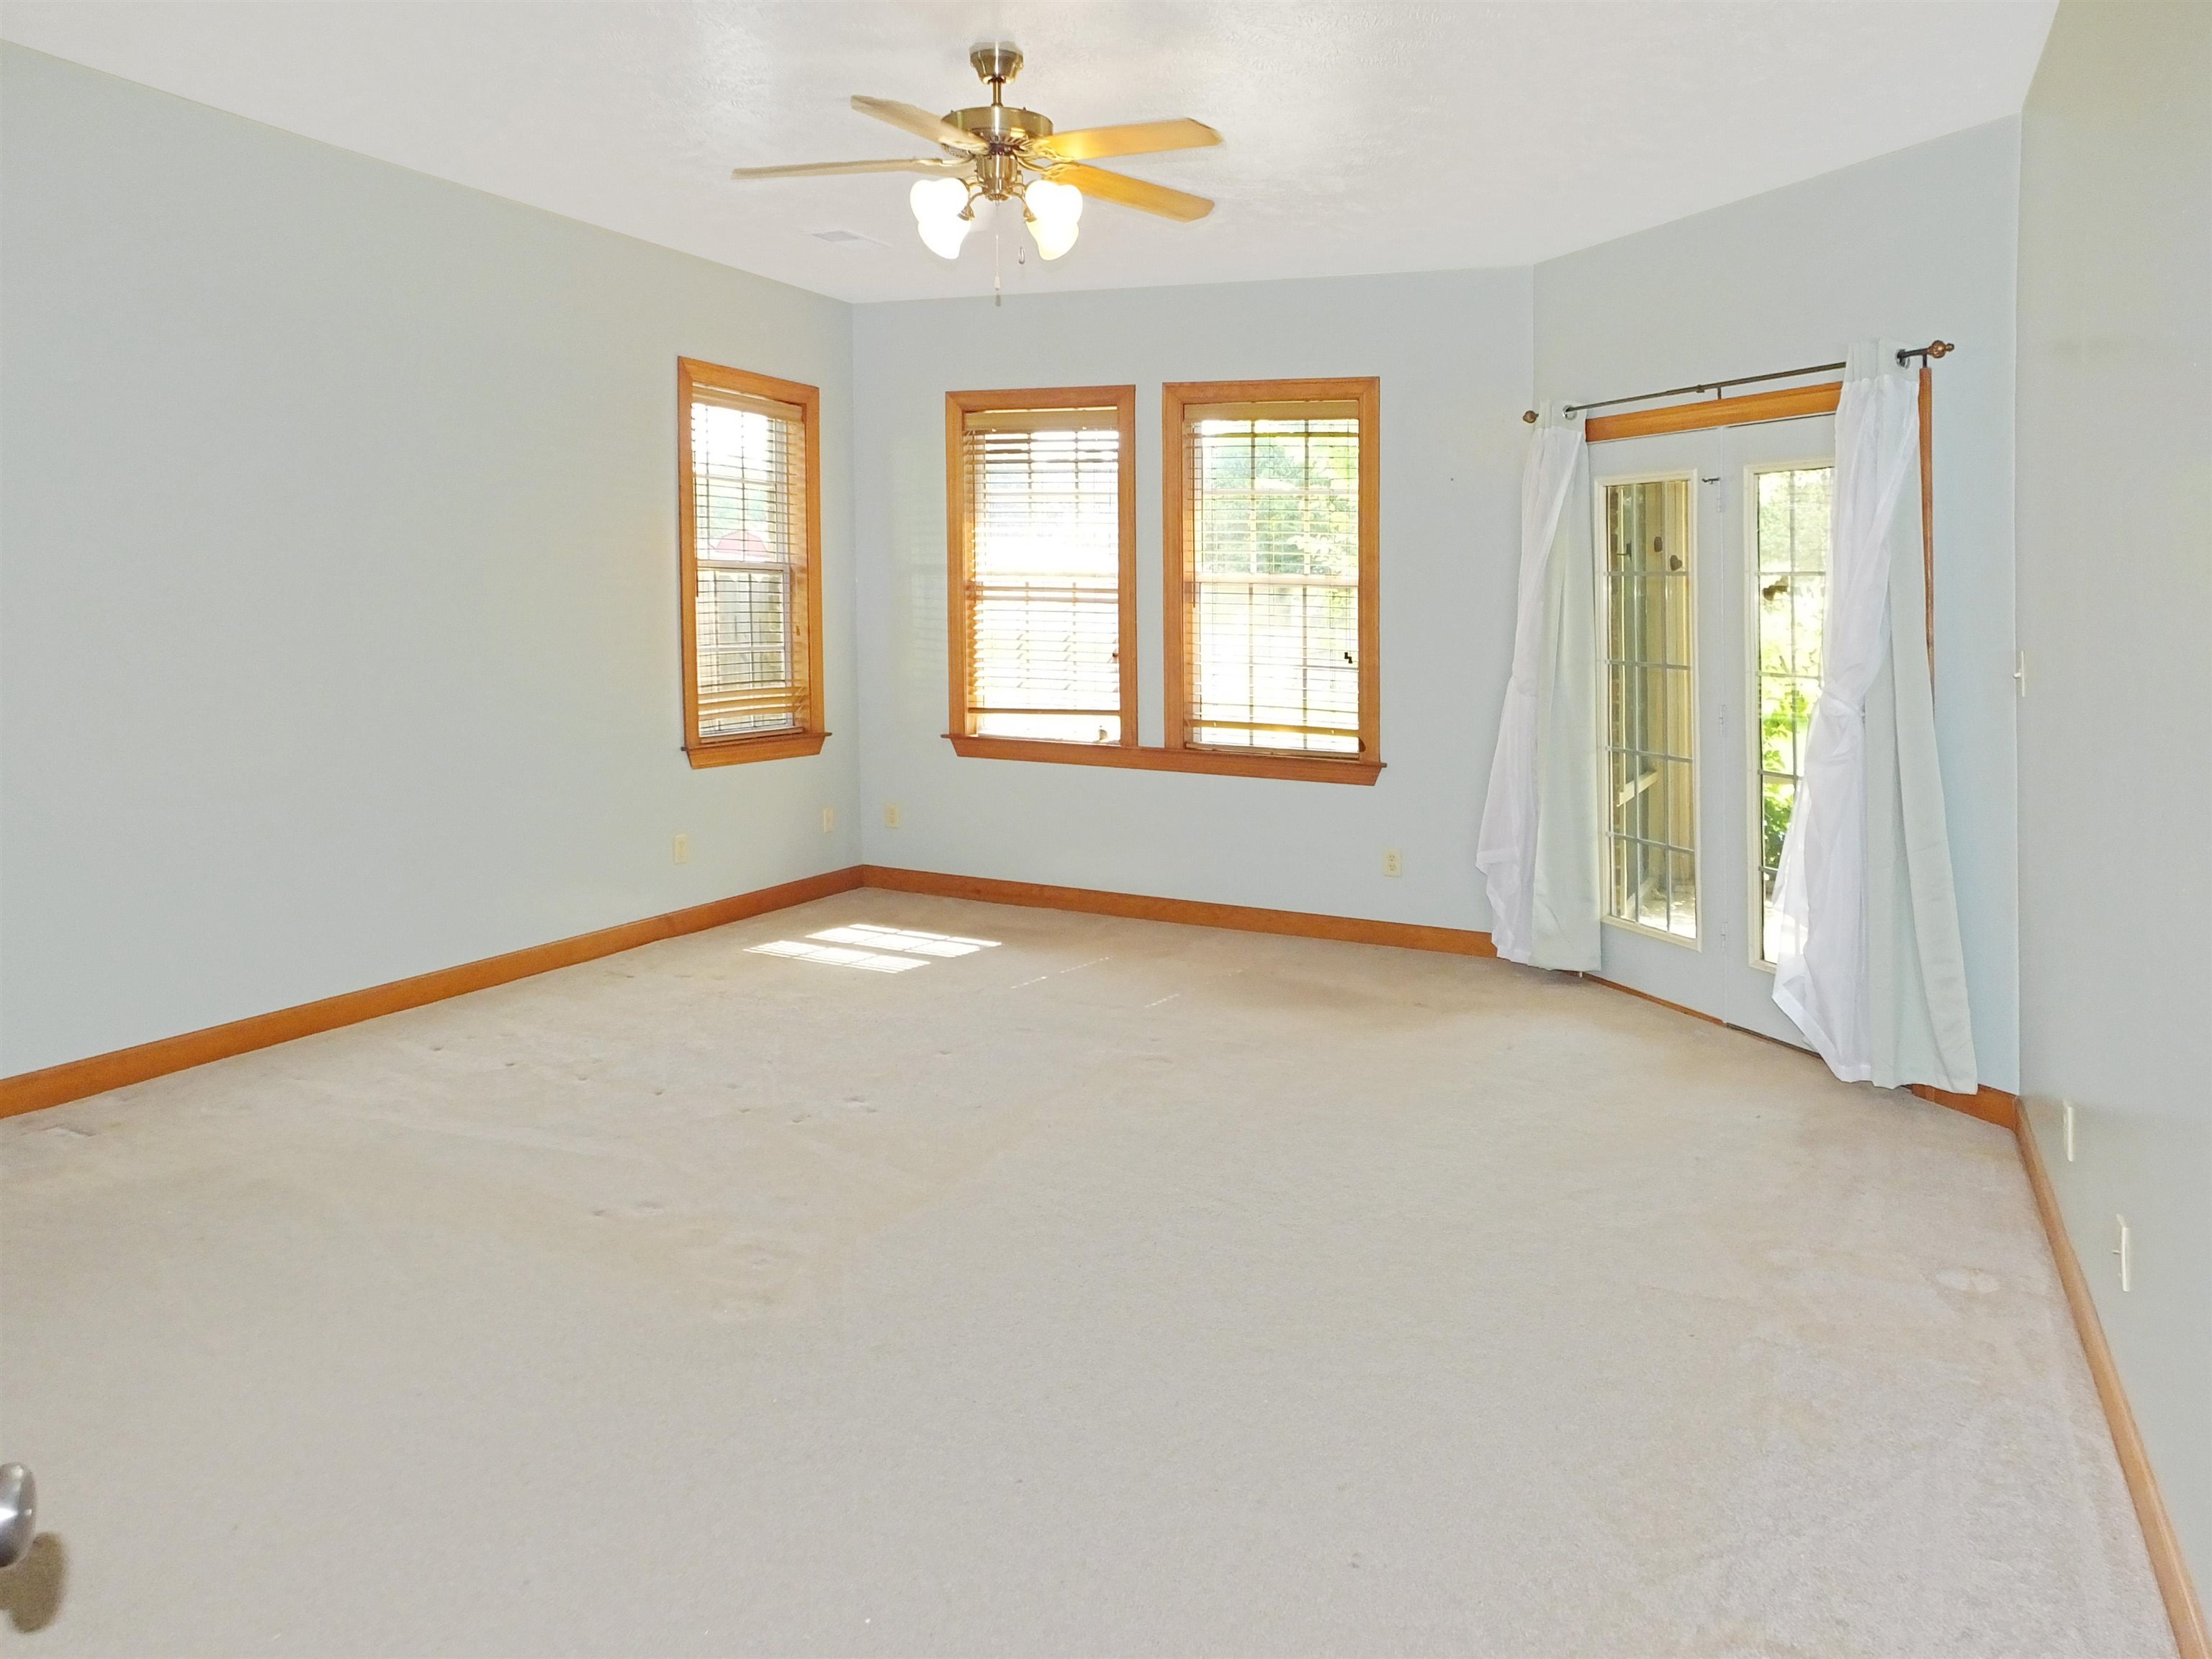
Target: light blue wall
x: 337, y: 615
x: 338, y: 612
x: 1914, y: 246
x: 1453, y: 353
x: 363, y: 665
x: 2116, y: 615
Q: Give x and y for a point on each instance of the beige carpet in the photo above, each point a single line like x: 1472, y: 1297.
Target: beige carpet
x: 1123, y: 1288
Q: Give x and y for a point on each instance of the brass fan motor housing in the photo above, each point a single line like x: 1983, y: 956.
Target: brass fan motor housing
x: 1008, y: 133
x: 1000, y: 123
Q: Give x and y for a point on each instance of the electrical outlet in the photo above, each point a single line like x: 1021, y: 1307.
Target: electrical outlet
x: 680, y: 849
x: 890, y: 815
x: 2126, y: 1254
x: 828, y: 819
x: 1392, y: 864
x: 2066, y: 1116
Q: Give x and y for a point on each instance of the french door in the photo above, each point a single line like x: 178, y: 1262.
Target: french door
x: 1712, y: 578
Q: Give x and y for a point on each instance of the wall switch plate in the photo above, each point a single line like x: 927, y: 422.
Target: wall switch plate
x: 828, y: 819
x: 2126, y: 1254
x: 1392, y: 864
x: 890, y: 815
x: 2066, y: 1116
x: 680, y: 849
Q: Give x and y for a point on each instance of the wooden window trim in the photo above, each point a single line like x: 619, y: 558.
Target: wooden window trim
x: 1788, y: 405
x: 813, y: 732
x: 959, y: 547
x: 1264, y: 764
x: 1176, y: 397
x: 759, y: 746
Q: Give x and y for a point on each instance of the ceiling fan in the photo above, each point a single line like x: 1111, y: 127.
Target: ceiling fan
x: 991, y: 152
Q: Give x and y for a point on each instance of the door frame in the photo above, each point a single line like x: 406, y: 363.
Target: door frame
x: 1722, y: 979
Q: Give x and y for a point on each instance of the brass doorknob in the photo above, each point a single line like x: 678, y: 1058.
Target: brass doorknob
x: 19, y: 1512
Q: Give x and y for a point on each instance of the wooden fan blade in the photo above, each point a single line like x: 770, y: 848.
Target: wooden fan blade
x: 1137, y: 139
x: 1130, y: 192
x: 911, y: 118
x: 811, y: 169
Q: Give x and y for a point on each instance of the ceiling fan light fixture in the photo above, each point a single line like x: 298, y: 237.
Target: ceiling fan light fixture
x: 1053, y: 212
x: 987, y: 153
x: 940, y: 213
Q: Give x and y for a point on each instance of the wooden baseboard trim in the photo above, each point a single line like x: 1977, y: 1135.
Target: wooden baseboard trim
x: 2166, y: 1562
x: 1646, y: 996
x: 1990, y: 1105
x: 1244, y: 918
x: 29, y: 1091
x: 1997, y: 1106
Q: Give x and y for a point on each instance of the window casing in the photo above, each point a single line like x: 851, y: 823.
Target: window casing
x: 1041, y: 502
x: 1272, y: 582
x: 747, y: 510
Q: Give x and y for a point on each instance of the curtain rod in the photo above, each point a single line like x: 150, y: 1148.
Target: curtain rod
x: 1928, y: 353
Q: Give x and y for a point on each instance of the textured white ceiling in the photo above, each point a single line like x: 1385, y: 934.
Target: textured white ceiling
x: 1360, y: 138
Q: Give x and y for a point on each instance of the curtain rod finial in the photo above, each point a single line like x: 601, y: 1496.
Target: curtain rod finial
x: 1927, y: 353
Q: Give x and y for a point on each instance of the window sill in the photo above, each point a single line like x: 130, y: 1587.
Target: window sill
x: 775, y: 745
x: 1299, y: 769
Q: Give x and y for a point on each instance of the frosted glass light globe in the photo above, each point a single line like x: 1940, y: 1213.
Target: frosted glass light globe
x: 937, y: 204
x: 1054, y: 212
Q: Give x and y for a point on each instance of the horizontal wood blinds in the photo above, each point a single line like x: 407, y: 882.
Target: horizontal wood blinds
x: 1043, y: 566
x: 748, y: 554
x: 1271, y: 568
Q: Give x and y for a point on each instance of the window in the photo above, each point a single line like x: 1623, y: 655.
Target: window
x: 1651, y: 705
x: 1271, y: 584
x: 1041, y: 489
x: 751, y: 583
x: 1790, y: 575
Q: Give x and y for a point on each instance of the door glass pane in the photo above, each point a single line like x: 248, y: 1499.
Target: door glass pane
x: 1651, y: 707
x: 1791, y: 594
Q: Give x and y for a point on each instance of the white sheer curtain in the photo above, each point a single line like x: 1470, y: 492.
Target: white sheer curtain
x: 1871, y: 968
x: 1538, y: 849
